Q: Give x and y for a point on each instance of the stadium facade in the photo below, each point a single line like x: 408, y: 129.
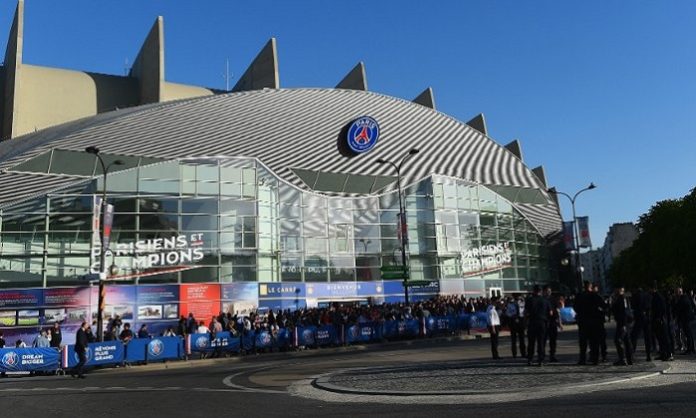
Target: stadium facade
x: 277, y: 190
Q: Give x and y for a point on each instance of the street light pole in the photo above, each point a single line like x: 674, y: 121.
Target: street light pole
x: 102, y: 251
x: 402, y: 215
x: 575, y: 228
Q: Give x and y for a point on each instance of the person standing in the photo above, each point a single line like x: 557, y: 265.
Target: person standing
x: 56, y: 336
x: 582, y: 318
x: 554, y: 323
x: 537, y: 310
x: 685, y: 316
x: 81, y: 341
x: 641, y: 303
x: 515, y: 314
x: 658, y: 309
x: 600, y: 329
x: 623, y: 315
x: 493, y: 326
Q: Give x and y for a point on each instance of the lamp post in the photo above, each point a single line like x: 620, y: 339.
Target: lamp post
x: 575, y: 228
x: 402, y: 215
x: 102, y: 251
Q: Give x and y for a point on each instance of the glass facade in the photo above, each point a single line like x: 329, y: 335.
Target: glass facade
x: 249, y: 225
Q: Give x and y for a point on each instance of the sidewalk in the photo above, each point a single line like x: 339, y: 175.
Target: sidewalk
x: 313, y: 352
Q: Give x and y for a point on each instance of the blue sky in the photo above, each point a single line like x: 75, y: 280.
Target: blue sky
x: 597, y: 91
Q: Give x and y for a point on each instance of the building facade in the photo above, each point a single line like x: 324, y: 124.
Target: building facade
x: 266, y: 197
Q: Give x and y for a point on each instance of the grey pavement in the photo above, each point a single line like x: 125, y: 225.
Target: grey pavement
x: 288, y: 385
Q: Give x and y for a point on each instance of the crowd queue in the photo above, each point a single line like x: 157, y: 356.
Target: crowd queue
x: 664, y: 320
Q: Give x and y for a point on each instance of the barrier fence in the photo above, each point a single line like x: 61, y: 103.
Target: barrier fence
x: 144, y: 350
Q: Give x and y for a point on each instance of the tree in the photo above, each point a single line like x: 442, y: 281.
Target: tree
x: 665, y: 250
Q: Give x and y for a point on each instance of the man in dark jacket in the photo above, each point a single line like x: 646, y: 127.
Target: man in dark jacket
x: 81, y: 341
x: 537, y: 310
x: 623, y: 315
x: 685, y: 316
x: 658, y: 310
x: 641, y: 302
x: 554, y: 322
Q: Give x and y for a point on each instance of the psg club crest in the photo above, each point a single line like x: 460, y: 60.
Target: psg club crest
x: 10, y: 360
x: 156, y: 347
x: 88, y: 355
x: 363, y: 134
x: 202, y: 342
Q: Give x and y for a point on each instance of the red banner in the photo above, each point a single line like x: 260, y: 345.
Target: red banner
x: 202, y: 300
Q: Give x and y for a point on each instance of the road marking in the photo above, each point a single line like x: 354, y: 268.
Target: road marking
x: 227, y: 381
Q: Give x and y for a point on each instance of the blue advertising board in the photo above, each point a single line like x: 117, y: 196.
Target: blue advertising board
x: 29, y: 359
x: 98, y: 354
x: 281, y: 290
x: 306, y: 336
x: 344, y: 289
x: 223, y: 341
x: 165, y: 348
x: 240, y: 291
x: 148, y: 294
x: 327, y: 335
x: 21, y: 298
x: 360, y: 333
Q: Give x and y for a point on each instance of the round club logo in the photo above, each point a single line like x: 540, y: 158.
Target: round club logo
x: 265, y: 338
x: 363, y: 134
x: 10, y: 360
x: 155, y: 348
x: 202, y: 342
x: 308, y: 336
x: 354, y: 331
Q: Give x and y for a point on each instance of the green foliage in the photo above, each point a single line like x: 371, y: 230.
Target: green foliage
x: 665, y: 250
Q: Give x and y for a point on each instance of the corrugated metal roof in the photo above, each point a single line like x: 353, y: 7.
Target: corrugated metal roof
x: 293, y: 128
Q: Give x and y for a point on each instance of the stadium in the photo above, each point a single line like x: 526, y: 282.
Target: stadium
x: 279, y: 197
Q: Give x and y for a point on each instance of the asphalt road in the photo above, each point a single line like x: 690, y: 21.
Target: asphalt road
x: 284, y: 384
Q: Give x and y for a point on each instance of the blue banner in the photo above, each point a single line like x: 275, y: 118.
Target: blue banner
x: 264, y: 340
x: 282, y: 290
x: 98, y: 354
x: 165, y: 348
x: 306, y: 336
x: 441, y: 324
x: 136, y: 350
x: 248, y: 340
x: 29, y: 359
x: 568, y: 315
x: 360, y: 333
x: 223, y: 341
x: 284, y: 338
x: 327, y: 335
x: 406, y: 328
x: 478, y: 320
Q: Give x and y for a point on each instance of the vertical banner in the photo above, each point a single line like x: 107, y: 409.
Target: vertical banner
x: 568, y: 235
x: 584, y: 231
x: 95, y: 247
x: 201, y: 300
x: 108, y: 221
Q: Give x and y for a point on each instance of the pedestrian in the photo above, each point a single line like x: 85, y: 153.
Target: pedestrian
x: 685, y: 316
x: 41, y: 340
x: 623, y: 315
x: 514, y: 312
x: 582, y: 319
x: 554, y: 323
x: 601, y: 330
x: 143, y: 333
x: 493, y: 326
x: 641, y: 303
x: 56, y: 336
x: 537, y: 310
x: 81, y: 341
x: 127, y: 334
x: 658, y: 309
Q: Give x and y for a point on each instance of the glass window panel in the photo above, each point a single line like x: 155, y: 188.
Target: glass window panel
x: 199, y: 206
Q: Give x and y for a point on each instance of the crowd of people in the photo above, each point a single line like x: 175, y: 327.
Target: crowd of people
x: 664, y: 320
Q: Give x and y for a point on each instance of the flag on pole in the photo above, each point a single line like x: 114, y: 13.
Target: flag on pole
x: 584, y: 231
x: 568, y: 235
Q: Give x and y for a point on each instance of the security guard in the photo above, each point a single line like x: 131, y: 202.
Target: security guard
x: 658, y: 309
x: 537, y: 310
x: 623, y: 315
x: 641, y: 303
x: 554, y: 323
